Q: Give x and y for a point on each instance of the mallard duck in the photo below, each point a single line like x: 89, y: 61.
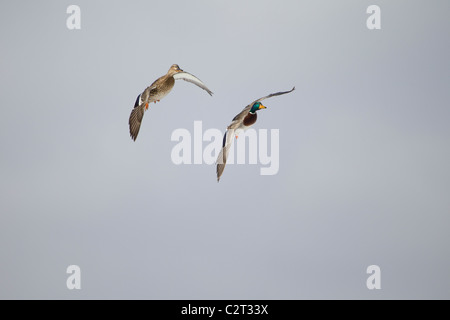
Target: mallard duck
x: 155, y: 92
x: 241, y: 122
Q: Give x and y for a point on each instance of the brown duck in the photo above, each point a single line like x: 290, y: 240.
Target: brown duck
x: 155, y: 92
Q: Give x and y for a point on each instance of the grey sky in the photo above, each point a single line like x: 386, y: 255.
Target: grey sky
x: 364, y: 150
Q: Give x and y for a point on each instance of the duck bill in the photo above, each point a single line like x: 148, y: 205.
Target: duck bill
x: 262, y: 107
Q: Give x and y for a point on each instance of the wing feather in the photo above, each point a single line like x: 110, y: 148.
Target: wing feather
x: 223, y: 155
x: 193, y: 79
x: 136, y: 116
x: 272, y: 95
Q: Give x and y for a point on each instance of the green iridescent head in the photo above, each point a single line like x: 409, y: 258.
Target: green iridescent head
x: 257, y: 106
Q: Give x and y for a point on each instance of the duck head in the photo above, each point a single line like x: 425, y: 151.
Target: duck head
x: 257, y: 106
x: 174, y: 69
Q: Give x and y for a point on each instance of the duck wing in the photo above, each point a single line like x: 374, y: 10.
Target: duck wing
x: 223, y: 155
x: 186, y: 76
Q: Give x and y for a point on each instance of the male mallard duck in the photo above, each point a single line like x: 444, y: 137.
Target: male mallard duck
x: 241, y: 122
x: 155, y: 92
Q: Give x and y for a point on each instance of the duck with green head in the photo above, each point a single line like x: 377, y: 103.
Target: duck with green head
x: 241, y: 122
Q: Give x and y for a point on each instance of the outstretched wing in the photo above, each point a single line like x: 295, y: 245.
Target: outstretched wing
x: 137, y: 114
x: 191, y: 78
x: 136, y: 119
x: 272, y: 95
x: 223, y: 155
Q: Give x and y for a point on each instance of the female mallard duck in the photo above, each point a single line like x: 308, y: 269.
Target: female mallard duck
x: 155, y: 92
x: 241, y: 122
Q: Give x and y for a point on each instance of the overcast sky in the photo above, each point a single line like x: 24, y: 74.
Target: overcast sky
x: 363, y: 178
